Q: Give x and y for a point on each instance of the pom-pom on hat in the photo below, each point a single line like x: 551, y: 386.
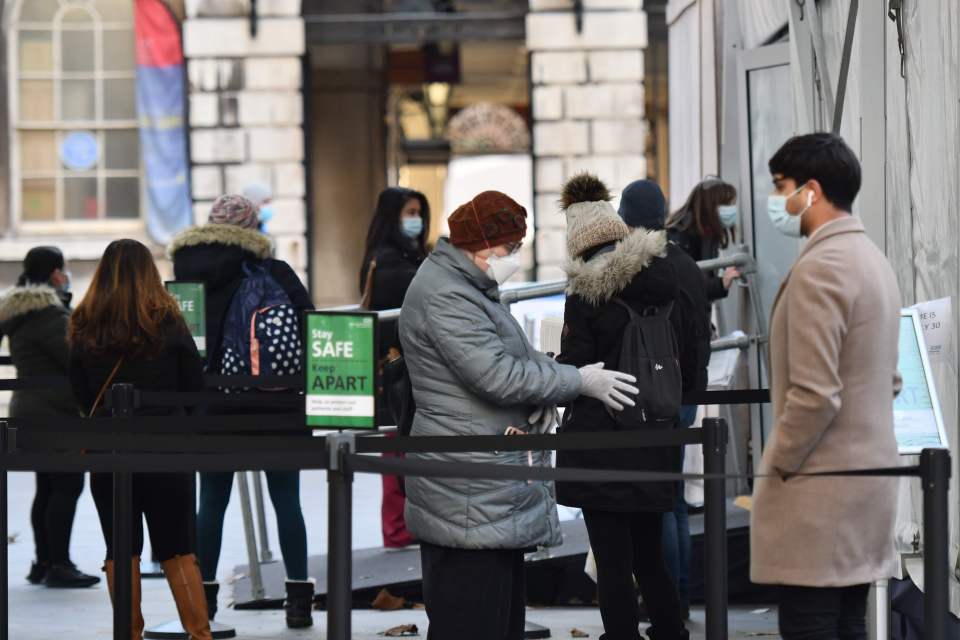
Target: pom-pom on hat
x: 489, y: 220
x: 591, y: 219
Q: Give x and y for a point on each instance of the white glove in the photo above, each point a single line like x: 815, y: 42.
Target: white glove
x: 609, y: 387
x: 542, y: 419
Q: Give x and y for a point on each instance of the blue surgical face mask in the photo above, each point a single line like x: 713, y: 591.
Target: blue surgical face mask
x: 787, y: 224
x: 266, y: 213
x: 412, y: 227
x: 728, y: 215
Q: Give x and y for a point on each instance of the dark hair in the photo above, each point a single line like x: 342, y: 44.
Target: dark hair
x: 39, y: 264
x: 126, y: 307
x: 385, y: 226
x: 823, y: 157
x: 699, y: 212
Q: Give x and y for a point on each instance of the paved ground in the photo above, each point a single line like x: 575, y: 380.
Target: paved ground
x: 37, y: 613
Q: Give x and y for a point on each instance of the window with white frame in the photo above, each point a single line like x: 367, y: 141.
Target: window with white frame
x: 75, y: 148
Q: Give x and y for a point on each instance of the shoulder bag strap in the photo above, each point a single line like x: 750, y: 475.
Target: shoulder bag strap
x: 367, y: 298
x: 104, y: 387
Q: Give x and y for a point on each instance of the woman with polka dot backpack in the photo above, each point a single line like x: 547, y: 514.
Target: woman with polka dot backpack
x: 255, y: 304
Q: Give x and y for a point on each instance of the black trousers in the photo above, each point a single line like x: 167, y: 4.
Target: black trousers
x: 54, y: 508
x: 823, y: 613
x: 167, y: 502
x: 628, y: 546
x: 473, y: 594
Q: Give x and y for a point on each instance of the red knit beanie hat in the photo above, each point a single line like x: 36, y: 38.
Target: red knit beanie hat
x: 489, y: 220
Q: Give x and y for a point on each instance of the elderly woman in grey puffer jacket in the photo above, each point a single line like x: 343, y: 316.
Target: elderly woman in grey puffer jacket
x: 474, y: 373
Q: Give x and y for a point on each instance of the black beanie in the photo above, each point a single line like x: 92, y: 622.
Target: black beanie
x: 40, y: 264
x: 642, y: 205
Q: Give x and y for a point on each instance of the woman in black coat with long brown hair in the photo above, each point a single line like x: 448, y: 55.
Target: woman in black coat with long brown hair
x: 129, y: 329
x: 610, y: 264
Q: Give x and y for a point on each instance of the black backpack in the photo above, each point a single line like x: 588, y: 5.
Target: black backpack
x: 649, y: 353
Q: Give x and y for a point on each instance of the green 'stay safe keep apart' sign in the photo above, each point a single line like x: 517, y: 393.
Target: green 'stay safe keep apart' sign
x: 192, y: 300
x: 341, y: 370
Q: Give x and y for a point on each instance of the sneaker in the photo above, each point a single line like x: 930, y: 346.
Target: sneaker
x: 67, y: 576
x: 38, y: 571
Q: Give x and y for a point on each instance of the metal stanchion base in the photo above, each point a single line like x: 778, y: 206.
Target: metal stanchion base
x: 150, y: 569
x: 533, y: 631
x: 174, y: 631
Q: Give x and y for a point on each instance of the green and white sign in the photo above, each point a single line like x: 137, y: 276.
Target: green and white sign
x: 341, y: 370
x: 192, y: 300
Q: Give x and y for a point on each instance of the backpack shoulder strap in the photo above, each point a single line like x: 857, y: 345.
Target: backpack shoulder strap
x: 621, y: 302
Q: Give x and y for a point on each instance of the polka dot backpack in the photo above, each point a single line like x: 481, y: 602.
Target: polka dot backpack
x: 261, y: 331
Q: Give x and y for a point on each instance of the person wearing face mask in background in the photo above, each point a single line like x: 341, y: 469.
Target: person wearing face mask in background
x: 396, y: 247
x: 261, y: 195
x: 704, y: 225
x: 34, y: 316
x: 474, y: 372
x: 833, y: 376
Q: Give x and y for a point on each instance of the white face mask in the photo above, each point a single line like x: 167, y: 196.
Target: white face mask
x: 787, y: 224
x: 502, y: 268
x: 728, y: 215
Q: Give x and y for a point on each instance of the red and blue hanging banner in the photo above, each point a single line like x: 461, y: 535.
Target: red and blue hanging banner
x: 161, y: 105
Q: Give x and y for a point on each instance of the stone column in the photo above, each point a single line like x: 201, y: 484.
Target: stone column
x: 588, y: 105
x: 246, y: 110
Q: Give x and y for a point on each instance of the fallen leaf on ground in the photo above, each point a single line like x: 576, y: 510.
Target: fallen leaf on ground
x: 386, y: 601
x: 402, y: 631
x: 577, y: 633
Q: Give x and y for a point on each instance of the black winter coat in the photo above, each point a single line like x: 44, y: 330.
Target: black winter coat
x: 700, y: 248
x: 35, y: 319
x: 396, y: 267
x: 691, y: 320
x: 636, y: 272
x: 214, y: 254
x: 177, y: 367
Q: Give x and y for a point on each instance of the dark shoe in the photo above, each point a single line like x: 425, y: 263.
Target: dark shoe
x: 38, y: 571
x: 211, y: 590
x: 299, y: 604
x: 67, y: 576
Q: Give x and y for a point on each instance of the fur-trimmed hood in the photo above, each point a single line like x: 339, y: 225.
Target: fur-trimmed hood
x: 607, y: 274
x: 23, y: 300
x: 249, y: 240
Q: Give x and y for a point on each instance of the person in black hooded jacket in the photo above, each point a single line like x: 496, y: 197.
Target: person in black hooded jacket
x: 642, y: 205
x: 396, y: 247
x: 215, y: 254
x: 624, y: 520
x: 34, y: 317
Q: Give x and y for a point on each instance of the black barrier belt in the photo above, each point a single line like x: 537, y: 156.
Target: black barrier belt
x: 161, y: 443
x: 171, y: 424
x: 161, y: 462
x: 35, y: 383
x: 482, y: 471
x: 287, y: 382
x: 213, y: 398
x: 736, y: 396
x: 667, y: 437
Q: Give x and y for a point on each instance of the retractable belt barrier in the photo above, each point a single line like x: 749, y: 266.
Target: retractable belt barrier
x: 129, y: 443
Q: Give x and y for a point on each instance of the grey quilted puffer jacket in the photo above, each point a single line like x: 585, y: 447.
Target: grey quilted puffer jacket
x: 474, y: 373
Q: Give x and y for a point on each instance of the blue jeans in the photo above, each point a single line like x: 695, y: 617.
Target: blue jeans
x: 284, y: 488
x: 676, y: 527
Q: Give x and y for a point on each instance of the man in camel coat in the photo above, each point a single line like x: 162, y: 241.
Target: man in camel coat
x: 833, y: 371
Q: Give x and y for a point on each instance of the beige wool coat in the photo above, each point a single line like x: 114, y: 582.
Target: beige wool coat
x: 833, y: 377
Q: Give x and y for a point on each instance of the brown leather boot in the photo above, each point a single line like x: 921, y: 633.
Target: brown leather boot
x: 136, y: 614
x: 186, y: 584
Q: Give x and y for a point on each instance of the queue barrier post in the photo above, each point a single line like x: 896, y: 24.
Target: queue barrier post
x: 715, y: 526
x: 340, y: 536
x: 122, y: 397
x: 935, y: 476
